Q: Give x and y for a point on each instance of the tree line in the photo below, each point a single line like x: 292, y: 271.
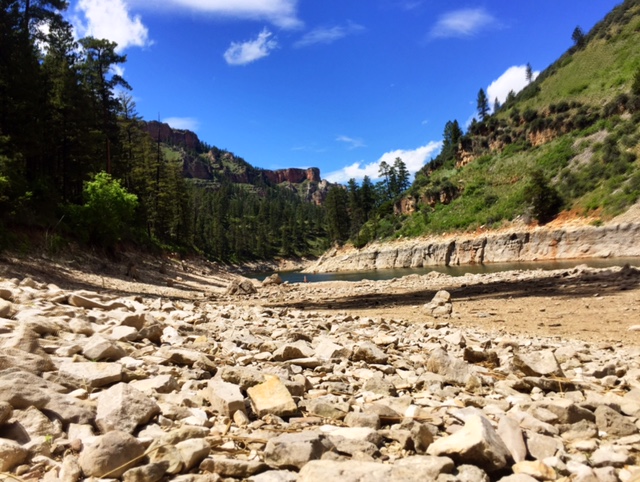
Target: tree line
x: 76, y: 160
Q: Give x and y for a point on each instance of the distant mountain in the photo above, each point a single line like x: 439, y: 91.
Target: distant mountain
x: 211, y: 165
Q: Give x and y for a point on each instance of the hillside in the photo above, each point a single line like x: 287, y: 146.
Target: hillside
x: 208, y: 165
x: 567, y: 143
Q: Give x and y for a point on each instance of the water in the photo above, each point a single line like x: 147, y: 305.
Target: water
x: 384, y: 274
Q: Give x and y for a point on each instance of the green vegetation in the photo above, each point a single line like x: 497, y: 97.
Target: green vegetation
x: 76, y: 159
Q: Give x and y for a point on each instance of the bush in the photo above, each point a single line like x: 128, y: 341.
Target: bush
x: 108, y: 210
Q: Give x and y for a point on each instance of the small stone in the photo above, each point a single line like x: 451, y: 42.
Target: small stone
x: 272, y: 397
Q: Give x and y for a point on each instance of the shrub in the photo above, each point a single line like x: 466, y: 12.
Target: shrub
x: 108, y: 210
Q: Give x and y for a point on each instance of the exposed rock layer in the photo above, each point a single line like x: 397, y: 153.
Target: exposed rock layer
x: 617, y: 240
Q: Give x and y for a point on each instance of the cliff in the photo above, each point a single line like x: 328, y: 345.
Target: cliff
x: 217, y: 164
x: 174, y: 137
x: 536, y: 244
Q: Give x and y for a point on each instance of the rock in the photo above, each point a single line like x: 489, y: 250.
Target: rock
x: 11, y: 454
x: 356, y: 471
x: 98, y: 348
x: 111, y: 455
x: 241, y: 287
x: 536, y: 469
x: 294, y: 450
x: 274, y: 279
x: 453, y: 370
x: 275, y: 476
x: 145, y: 473
x: 89, y: 374
x: 225, y: 398
x: 272, y: 397
x: 511, y: 434
x: 369, y: 353
x: 22, y: 389
x: 239, y: 469
x: 157, y: 384
x: 123, y: 408
x: 85, y: 302
x: 370, y: 420
x: 6, y: 308
x: 613, y: 423
x: 6, y: 410
x: 440, y: 305
x: 539, y: 363
x: 328, y: 350
x: 476, y: 443
x: 193, y: 451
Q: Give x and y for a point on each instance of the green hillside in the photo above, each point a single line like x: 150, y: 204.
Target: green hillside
x: 569, y: 141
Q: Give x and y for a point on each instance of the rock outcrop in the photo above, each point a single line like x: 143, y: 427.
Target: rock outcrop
x: 616, y: 240
x: 232, y: 392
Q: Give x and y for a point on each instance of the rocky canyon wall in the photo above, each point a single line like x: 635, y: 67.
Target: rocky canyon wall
x: 617, y: 240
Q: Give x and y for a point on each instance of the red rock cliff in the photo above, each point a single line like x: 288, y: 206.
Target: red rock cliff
x: 175, y: 137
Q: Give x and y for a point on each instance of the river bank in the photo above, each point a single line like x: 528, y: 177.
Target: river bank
x: 521, y: 243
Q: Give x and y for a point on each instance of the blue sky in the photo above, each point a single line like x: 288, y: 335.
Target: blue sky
x: 335, y: 84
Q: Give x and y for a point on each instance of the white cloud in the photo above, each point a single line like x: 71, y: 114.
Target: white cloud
x: 414, y: 160
x: 281, y: 13
x: 251, y: 50
x: 514, y: 78
x: 462, y: 23
x: 328, y: 35
x: 188, y: 123
x: 110, y: 19
x: 354, y: 143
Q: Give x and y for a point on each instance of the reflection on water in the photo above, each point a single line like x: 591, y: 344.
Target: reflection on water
x: 383, y: 274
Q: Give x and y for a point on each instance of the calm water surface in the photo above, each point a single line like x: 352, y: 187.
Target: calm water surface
x: 383, y: 274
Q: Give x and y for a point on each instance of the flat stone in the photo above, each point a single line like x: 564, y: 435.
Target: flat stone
x: 294, y: 450
x: 239, y: 469
x: 538, y: 364
x: 272, y: 397
x: 357, y: 471
x: 275, y: 476
x: 89, y: 374
x: 157, y: 384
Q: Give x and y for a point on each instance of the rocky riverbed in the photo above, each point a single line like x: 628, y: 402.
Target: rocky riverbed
x: 194, y: 375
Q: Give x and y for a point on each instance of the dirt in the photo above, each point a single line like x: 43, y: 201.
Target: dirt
x: 591, y: 305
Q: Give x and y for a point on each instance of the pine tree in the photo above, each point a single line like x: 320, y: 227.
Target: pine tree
x: 483, y: 105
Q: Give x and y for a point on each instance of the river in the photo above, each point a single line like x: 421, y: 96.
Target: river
x: 383, y: 274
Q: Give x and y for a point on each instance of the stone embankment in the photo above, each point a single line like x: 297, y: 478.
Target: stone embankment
x: 615, y: 240
x: 94, y: 386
